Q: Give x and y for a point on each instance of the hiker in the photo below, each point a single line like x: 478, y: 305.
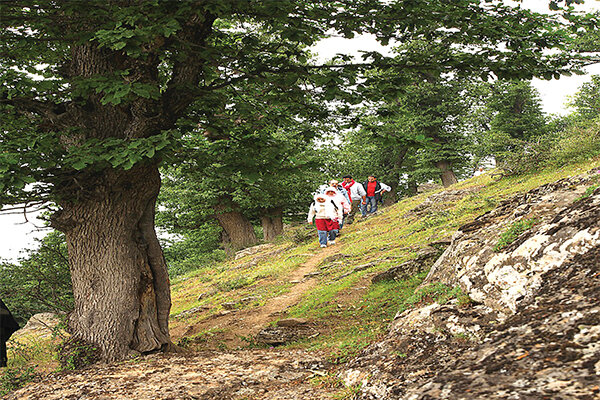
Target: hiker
x: 341, y: 196
x: 340, y: 189
x: 327, y: 214
x: 374, y: 191
x: 8, y: 326
x: 357, y: 194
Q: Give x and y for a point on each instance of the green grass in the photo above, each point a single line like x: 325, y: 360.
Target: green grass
x: 588, y: 192
x: 13, y: 378
x: 350, y: 317
x: 514, y: 231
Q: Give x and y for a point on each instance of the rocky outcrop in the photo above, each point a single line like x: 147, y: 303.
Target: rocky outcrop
x: 534, y: 329
x: 39, y: 326
x: 437, y: 200
x: 420, y: 263
x: 285, y: 331
x: 253, y: 250
x: 507, y: 278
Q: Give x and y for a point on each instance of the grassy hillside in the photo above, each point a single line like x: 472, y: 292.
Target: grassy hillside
x: 211, y: 306
x: 224, y: 305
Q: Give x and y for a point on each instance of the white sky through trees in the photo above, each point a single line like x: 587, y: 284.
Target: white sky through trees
x: 16, y: 234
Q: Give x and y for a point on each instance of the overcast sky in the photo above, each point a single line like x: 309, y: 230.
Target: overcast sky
x: 17, y: 234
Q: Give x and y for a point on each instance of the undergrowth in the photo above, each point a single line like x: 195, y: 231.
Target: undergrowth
x: 13, y: 378
x: 514, y: 231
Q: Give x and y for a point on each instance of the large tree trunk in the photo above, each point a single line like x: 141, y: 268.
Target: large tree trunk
x: 446, y: 173
x: 238, y: 232
x: 272, y: 223
x: 119, y: 274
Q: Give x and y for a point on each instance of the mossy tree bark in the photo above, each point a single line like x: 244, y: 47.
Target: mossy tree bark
x: 446, y: 173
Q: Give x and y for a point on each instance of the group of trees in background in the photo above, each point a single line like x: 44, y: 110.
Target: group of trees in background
x: 224, y: 101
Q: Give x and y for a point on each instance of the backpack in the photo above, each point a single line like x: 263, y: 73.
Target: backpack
x: 332, y: 202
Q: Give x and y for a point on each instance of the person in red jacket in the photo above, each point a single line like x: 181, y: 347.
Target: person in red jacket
x: 374, y: 191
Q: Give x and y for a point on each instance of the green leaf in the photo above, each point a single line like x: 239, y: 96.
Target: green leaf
x: 79, y: 165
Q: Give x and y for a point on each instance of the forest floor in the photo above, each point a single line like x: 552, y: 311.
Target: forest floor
x: 236, y: 327
x: 218, y: 311
x: 211, y: 374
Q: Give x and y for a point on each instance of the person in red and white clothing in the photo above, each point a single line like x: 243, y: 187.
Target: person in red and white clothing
x: 374, y: 191
x: 341, y: 196
x: 357, y: 196
x: 327, y: 212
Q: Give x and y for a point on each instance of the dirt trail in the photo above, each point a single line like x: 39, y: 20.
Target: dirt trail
x: 233, y: 329
x: 258, y: 374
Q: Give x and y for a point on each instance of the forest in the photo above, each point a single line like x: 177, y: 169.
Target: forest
x: 158, y: 138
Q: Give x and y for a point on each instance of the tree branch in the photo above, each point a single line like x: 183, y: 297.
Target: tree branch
x: 23, y: 105
x: 186, y: 73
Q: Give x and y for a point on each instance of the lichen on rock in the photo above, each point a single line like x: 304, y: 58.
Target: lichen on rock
x: 534, y: 331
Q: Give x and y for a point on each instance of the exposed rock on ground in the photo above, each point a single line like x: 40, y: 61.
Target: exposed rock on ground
x: 258, y: 374
x: 253, y: 250
x: 285, y: 331
x: 434, y: 201
x: 507, y: 278
x: 41, y: 324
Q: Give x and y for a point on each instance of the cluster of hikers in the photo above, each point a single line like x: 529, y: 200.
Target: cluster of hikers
x: 338, y: 204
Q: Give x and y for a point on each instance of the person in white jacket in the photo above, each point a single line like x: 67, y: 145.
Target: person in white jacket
x: 327, y: 213
x: 358, y: 196
x: 334, y: 192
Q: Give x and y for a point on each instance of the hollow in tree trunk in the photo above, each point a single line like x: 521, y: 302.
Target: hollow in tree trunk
x: 238, y: 232
x: 446, y: 173
x: 119, y: 274
x: 272, y: 223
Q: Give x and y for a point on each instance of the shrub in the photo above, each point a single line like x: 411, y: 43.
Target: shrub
x: 13, y: 378
x: 74, y: 354
x: 578, y: 142
x: 40, y: 281
x: 302, y: 234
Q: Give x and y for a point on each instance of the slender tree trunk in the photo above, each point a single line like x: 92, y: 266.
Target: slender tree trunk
x: 120, y: 281
x: 391, y: 197
x: 413, y: 187
x: 238, y: 232
x: 446, y: 173
x: 272, y: 223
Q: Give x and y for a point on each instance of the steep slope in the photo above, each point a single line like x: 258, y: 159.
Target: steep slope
x: 379, y: 274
